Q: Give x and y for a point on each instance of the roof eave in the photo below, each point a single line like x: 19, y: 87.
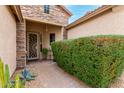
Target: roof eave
x: 17, y: 11
x: 94, y: 13
x: 41, y: 21
x: 66, y: 10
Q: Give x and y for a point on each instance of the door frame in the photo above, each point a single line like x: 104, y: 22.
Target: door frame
x: 38, y: 46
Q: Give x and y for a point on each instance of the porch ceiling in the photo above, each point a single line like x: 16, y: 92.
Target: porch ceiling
x: 42, y: 22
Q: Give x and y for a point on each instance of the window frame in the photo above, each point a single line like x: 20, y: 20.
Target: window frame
x: 47, y: 9
x: 50, y: 37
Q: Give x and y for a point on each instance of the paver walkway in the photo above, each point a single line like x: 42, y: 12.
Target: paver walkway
x: 49, y: 75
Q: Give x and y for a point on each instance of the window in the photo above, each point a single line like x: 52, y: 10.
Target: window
x: 46, y: 9
x: 52, y: 37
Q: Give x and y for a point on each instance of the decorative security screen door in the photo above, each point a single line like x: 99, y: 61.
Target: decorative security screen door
x: 32, y: 40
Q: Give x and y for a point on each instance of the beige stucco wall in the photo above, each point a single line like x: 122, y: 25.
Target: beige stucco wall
x: 111, y: 22
x: 7, y: 38
x: 46, y: 35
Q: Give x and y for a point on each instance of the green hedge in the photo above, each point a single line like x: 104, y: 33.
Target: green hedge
x: 95, y: 60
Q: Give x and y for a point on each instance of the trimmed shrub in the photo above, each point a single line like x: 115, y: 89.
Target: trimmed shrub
x: 95, y: 60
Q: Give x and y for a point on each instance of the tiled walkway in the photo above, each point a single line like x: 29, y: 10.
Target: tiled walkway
x: 49, y: 75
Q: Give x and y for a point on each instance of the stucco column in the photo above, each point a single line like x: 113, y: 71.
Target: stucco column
x: 63, y: 33
x: 21, y: 44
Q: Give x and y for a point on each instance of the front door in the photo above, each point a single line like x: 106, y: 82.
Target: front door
x: 32, y: 45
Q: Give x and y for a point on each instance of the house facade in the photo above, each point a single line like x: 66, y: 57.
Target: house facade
x: 42, y: 25
x: 106, y: 20
x: 27, y: 29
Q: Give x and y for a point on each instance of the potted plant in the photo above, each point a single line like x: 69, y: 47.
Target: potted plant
x: 44, y: 53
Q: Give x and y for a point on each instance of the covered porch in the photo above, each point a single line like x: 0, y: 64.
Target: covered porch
x: 39, y: 35
x: 32, y: 36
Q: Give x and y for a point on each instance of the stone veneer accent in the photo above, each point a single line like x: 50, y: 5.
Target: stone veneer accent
x: 21, y: 45
x: 56, y: 15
